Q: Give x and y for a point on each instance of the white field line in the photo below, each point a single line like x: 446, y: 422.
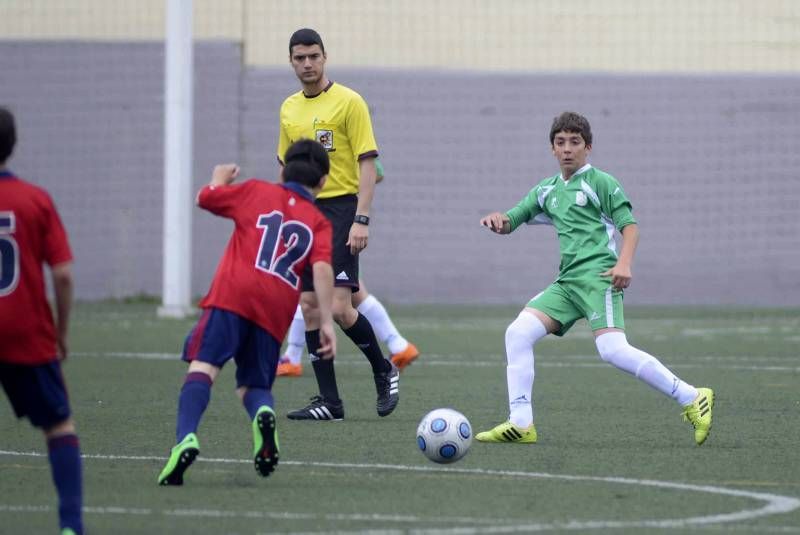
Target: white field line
x: 498, y: 360
x: 772, y: 503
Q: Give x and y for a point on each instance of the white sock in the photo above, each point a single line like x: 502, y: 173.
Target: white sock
x: 614, y: 348
x: 382, y: 324
x: 521, y: 336
x: 296, y: 339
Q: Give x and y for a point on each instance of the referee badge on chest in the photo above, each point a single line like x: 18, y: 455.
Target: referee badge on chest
x: 325, y: 138
x: 580, y: 198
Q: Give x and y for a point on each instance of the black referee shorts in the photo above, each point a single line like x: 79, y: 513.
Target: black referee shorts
x: 340, y: 211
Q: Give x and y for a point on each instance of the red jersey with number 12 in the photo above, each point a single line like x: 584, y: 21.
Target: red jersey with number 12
x: 31, y: 234
x: 279, y: 233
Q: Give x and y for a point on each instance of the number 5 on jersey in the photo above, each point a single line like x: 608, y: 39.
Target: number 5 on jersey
x: 9, y: 254
x: 291, y: 237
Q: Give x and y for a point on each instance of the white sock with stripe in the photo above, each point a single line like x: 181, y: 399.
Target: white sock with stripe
x: 521, y: 336
x: 382, y: 324
x: 614, y: 349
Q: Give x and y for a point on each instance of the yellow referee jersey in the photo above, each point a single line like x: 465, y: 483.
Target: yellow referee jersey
x: 339, y: 119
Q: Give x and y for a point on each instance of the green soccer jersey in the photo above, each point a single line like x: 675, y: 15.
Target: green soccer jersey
x: 585, y: 210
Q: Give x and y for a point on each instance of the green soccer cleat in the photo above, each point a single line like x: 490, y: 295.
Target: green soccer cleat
x: 265, y: 441
x: 181, y: 457
x: 698, y: 412
x: 508, y: 432
x: 68, y: 531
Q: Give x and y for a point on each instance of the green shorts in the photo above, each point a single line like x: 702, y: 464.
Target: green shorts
x: 594, y: 299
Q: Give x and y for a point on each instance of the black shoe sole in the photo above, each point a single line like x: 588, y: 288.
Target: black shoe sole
x: 175, y: 478
x: 304, y: 418
x: 388, y: 410
x: 267, y: 457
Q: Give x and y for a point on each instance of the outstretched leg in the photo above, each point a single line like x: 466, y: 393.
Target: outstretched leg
x: 697, y: 403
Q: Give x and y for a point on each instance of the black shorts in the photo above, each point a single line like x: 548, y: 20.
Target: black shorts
x: 37, y: 392
x: 340, y: 211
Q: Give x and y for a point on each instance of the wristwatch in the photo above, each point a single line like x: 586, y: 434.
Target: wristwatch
x: 361, y: 219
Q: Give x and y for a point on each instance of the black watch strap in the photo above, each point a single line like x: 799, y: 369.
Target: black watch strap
x: 361, y: 219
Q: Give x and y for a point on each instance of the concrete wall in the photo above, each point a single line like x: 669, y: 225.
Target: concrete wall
x: 708, y: 160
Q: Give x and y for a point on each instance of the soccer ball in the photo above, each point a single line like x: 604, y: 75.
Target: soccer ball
x: 444, y: 435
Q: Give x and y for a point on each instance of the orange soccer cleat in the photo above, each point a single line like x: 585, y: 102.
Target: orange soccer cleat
x: 406, y: 356
x: 287, y: 369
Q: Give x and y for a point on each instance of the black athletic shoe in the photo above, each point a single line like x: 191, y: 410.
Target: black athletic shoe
x: 388, y: 386
x: 319, y: 409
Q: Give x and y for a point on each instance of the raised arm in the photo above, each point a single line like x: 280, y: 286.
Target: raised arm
x: 224, y: 174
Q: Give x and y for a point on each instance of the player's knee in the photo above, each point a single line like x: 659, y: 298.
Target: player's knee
x: 611, y: 345
x: 343, y: 312
x: 66, y: 427
x: 344, y: 316
x: 197, y: 366
x: 519, y: 332
x: 310, y: 311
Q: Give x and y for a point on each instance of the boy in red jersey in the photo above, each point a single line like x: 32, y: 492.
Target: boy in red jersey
x: 31, y: 346
x: 279, y: 235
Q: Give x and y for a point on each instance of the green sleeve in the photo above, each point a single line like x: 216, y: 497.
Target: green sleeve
x: 525, y: 210
x: 379, y: 168
x: 615, y: 202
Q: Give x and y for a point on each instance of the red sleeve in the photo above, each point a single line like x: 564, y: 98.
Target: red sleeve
x: 56, y: 244
x: 222, y: 200
x: 323, y: 238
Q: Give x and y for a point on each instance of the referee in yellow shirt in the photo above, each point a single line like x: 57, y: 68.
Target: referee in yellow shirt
x: 338, y: 118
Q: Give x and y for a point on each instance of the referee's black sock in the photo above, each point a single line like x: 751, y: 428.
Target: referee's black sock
x: 323, y: 369
x: 363, y: 336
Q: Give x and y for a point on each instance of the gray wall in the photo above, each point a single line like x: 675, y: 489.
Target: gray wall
x: 710, y: 163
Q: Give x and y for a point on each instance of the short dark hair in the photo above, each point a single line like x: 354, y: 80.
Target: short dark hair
x: 8, y: 134
x: 573, y: 123
x: 307, y: 37
x: 306, y: 162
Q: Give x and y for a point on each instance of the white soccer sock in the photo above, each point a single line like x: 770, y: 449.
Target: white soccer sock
x: 382, y: 324
x: 614, y: 349
x: 521, y: 336
x: 296, y: 340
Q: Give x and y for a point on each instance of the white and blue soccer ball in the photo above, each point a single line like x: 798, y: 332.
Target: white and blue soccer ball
x: 444, y: 435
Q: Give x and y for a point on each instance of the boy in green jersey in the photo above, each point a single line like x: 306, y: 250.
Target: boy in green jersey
x: 586, y: 206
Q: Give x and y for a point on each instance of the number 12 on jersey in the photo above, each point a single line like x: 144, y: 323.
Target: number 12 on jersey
x: 293, y: 238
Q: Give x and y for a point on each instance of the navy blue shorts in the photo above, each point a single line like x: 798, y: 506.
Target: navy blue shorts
x: 37, y: 392
x: 220, y: 335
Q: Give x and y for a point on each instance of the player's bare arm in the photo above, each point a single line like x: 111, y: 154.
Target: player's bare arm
x: 621, y: 272
x: 359, y: 233
x: 62, y: 288
x: 224, y: 174
x: 323, y: 288
x: 497, y: 222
